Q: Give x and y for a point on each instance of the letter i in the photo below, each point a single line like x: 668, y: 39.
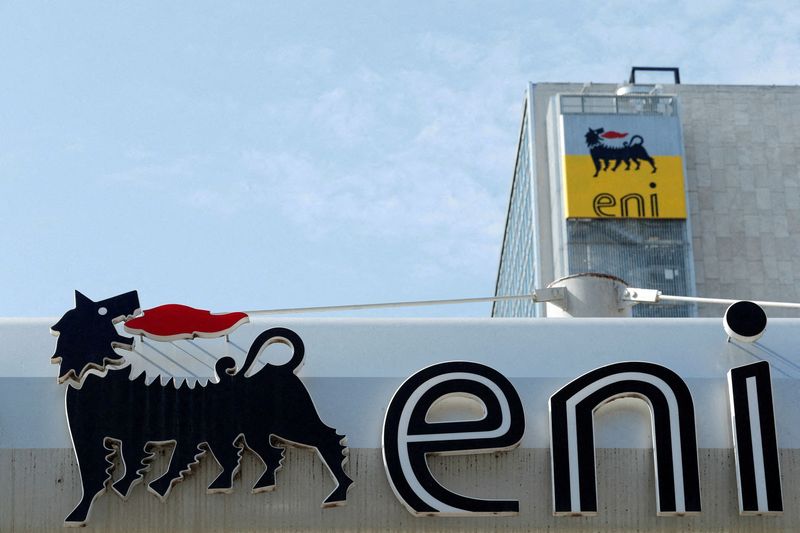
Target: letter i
x: 755, y: 441
x: 654, y: 205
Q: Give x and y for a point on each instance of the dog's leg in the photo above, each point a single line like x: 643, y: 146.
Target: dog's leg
x: 183, y: 458
x: 616, y: 166
x: 94, y: 467
x: 334, y: 453
x: 272, y: 457
x: 229, y: 457
x: 597, y: 163
x: 134, y: 459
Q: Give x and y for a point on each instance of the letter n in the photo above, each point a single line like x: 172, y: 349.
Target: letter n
x: 408, y: 437
x: 755, y: 441
x: 674, y: 436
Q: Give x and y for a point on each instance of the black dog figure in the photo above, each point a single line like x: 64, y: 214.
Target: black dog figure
x: 602, y: 154
x: 109, y: 413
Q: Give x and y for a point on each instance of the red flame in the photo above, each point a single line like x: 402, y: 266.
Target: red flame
x: 174, y: 321
x: 613, y: 135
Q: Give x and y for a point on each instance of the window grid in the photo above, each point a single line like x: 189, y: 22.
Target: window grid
x: 517, y: 269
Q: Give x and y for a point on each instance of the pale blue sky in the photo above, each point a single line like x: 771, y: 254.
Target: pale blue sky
x: 255, y: 155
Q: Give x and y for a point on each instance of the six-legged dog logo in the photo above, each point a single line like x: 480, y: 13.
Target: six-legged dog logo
x: 109, y: 413
x: 602, y: 154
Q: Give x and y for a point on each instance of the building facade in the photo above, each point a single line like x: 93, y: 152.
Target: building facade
x: 714, y: 212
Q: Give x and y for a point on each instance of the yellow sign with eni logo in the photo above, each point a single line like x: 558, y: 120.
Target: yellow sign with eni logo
x: 616, y: 176
x: 624, y: 193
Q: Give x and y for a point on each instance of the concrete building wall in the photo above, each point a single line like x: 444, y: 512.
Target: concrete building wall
x: 743, y: 172
x: 43, y: 485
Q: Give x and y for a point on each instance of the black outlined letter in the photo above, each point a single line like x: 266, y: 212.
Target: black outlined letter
x: 674, y: 437
x: 755, y: 441
x: 408, y: 438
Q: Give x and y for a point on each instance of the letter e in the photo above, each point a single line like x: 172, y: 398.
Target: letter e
x: 408, y: 437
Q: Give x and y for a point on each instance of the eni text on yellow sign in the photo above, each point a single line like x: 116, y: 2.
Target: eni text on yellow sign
x: 624, y: 193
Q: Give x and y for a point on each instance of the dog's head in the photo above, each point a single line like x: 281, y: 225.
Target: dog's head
x: 87, y: 336
x: 593, y: 136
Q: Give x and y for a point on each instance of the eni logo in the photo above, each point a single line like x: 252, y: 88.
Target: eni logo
x: 605, y: 204
x: 602, y: 154
x: 630, y: 205
x: 111, y: 412
x: 263, y: 410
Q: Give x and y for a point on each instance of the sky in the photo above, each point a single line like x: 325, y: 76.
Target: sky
x: 259, y: 155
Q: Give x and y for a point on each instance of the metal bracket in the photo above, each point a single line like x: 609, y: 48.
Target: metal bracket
x: 553, y: 294
x: 638, y: 296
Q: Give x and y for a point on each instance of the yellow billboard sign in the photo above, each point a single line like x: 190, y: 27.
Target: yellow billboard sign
x: 623, y: 166
x: 624, y: 193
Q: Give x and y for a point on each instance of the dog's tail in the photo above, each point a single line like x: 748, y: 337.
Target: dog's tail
x: 633, y: 140
x: 271, y: 336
